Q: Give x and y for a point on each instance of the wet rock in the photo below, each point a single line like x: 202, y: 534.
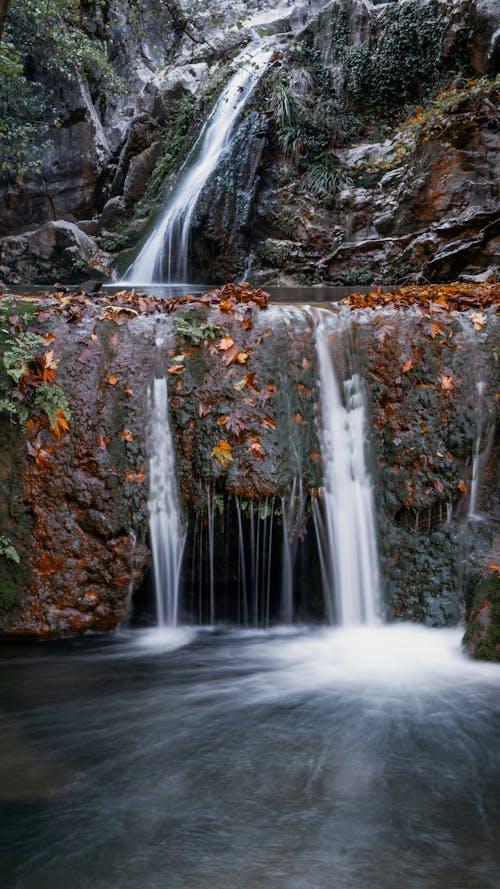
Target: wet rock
x: 482, y: 635
x: 57, y: 250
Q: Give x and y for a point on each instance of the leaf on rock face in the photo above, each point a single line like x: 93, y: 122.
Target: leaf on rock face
x: 240, y: 384
x: 303, y: 391
x: 48, y: 564
x: 61, y: 424
x: 268, y: 422
x: 494, y: 567
x: 230, y: 356
x: 462, y: 486
x: 204, y: 408
x: 103, y: 441
x: 478, y: 319
x: 41, y: 455
x: 128, y: 436
x: 305, y: 364
x: 223, y: 453
x: 446, y: 382
x: 407, y: 365
x: 226, y: 305
x: 299, y: 419
x: 256, y: 449
x: 112, y: 379
x: 237, y: 422
x: 315, y: 456
x: 247, y: 323
x: 135, y: 476
x: 176, y: 369
x: 226, y: 343
x: 242, y: 357
x: 129, y: 390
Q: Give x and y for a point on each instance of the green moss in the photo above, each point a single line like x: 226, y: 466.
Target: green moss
x: 10, y: 594
x: 483, y: 639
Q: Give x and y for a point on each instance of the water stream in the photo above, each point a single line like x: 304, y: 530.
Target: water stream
x: 346, y: 523
x: 164, y: 256
x: 361, y: 758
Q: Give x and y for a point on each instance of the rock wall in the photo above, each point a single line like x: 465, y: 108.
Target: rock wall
x: 244, y: 412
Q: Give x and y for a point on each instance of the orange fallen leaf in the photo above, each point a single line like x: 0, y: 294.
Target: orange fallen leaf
x: 176, y: 369
x: 135, y: 476
x: 40, y: 454
x: 226, y: 343
x: 446, y: 382
x: 128, y: 436
x: 462, y: 486
x: 112, y: 379
x: 242, y: 357
x: 268, y: 422
x: 48, y: 564
x: 223, y: 453
x: 256, y: 449
x: 103, y: 441
x: 478, y: 319
x: 407, y: 365
x: 129, y: 390
x: 61, y: 424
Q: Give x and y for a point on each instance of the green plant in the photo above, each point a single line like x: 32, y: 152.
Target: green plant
x: 358, y: 276
x: 21, y: 350
x: 51, y: 399
x: 195, y: 331
x: 8, y: 550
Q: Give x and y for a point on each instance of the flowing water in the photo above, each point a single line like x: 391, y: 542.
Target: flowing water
x: 346, y: 525
x: 164, y: 256
x: 165, y: 522
x: 362, y: 758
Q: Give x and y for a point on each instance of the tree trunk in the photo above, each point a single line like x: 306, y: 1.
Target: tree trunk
x: 4, y: 5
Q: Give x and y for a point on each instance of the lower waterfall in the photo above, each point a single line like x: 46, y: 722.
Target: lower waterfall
x: 345, y: 516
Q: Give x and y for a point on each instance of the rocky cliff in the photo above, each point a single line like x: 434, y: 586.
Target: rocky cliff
x: 244, y: 405
x: 370, y: 152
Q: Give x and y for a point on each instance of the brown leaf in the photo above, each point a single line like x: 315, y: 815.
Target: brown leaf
x: 129, y: 390
x: 268, y: 422
x: 462, y: 486
x: 127, y: 436
x: 112, y: 379
x: 407, y: 365
x: 256, y: 449
x: 41, y: 454
x: 298, y: 418
x: 230, y: 355
x: 242, y: 357
x: 176, y: 369
x: 446, y: 382
x: 103, y: 441
x: 48, y: 564
x: 135, y: 476
x: 226, y: 343
x: 204, y: 408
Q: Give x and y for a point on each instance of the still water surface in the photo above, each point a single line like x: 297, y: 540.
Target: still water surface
x: 295, y: 759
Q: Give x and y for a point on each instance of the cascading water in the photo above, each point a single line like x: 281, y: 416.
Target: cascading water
x: 346, y: 522
x: 166, y: 531
x: 164, y: 256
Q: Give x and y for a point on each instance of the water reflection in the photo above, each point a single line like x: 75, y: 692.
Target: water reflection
x: 357, y: 759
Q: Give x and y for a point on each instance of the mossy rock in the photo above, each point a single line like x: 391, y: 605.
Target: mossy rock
x: 482, y: 636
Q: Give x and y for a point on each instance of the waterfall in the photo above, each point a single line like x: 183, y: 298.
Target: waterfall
x: 345, y: 516
x: 164, y: 256
x: 167, y: 535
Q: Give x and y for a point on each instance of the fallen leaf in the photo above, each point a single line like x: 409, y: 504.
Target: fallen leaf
x: 478, y: 319
x: 103, y: 441
x: 204, y: 408
x: 446, y: 382
x: 462, y: 486
x: 299, y: 419
x: 61, y: 424
x: 242, y: 357
x: 41, y: 454
x: 407, y: 365
x: 135, y: 476
x: 226, y: 343
x: 223, y: 453
x: 128, y: 436
x: 129, y: 390
x: 112, y: 379
x: 268, y: 422
x: 176, y: 369
x: 48, y: 564
x: 256, y: 449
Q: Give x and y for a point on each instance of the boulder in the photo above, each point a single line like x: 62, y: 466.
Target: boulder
x: 56, y: 251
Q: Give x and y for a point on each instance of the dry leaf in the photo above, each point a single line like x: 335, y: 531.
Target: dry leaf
x: 478, y: 319
x: 128, y: 436
x: 462, y: 486
x: 226, y: 343
x: 176, y: 369
x: 407, y: 365
x: 112, y: 379
x: 61, y: 424
x: 446, y: 382
x: 223, y: 453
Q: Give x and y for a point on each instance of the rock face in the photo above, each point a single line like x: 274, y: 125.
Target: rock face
x: 244, y: 408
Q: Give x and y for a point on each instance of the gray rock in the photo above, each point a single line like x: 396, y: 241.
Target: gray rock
x: 56, y: 251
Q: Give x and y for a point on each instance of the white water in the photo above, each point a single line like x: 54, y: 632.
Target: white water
x: 164, y: 256
x: 167, y: 535
x: 346, y: 523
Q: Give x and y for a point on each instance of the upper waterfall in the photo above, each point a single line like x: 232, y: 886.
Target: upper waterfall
x: 164, y: 256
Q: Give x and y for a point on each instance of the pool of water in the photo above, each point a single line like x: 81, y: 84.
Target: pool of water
x: 293, y: 759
